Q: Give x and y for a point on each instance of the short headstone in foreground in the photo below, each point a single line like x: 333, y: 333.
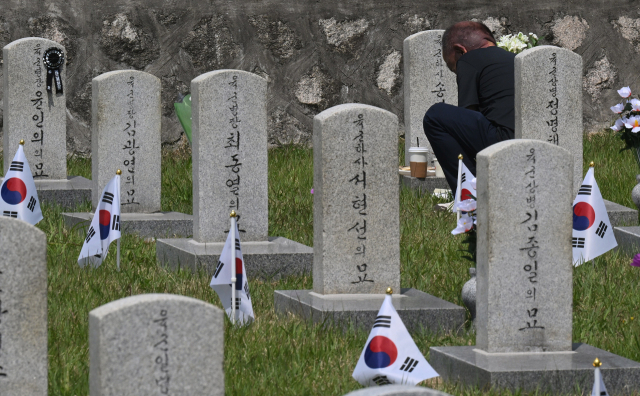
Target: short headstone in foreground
x: 126, y: 136
x: 524, y: 311
x: 230, y: 173
x: 37, y: 115
x: 356, y: 228
x: 156, y: 344
x: 397, y: 390
x: 23, y: 309
x: 428, y: 81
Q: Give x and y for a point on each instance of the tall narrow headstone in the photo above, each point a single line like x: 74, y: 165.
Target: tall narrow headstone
x: 229, y: 112
x: 156, y: 344
x: 34, y: 95
x: 548, y: 100
x: 427, y: 81
x: 23, y: 309
x: 356, y: 227
x: 126, y: 135
x: 524, y: 280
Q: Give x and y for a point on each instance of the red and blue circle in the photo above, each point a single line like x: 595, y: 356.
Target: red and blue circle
x: 583, y: 216
x: 105, y: 222
x: 13, y: 191
x: 238, y: 273
x: 381, y: 352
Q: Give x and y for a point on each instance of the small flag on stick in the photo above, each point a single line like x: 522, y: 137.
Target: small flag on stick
x: 592, y: 231
x: 598, y: 384
x: 466, y: 188
x: 221, y: 282
x: 18, y: 195
x: 390, y: 355
x: 105, y: 226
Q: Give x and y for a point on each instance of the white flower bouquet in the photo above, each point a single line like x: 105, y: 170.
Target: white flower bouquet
x: 627, y: 125
x: 517, y: 43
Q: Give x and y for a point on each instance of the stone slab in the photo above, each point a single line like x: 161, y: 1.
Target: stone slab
x: 356, y: 226
x: 552, y: 372
x: 30, y: 112
x: 548, y: 100
x: 427, y: 81
x: 273, y: 259
x: 229, y: 127
x: 426, y: 185
x: 620, y: 215
x: 418, y: 310
x: 145, y: 225
x: 23, y: 309
x: 396, y: 390
x: 153, y: 344
x: 525, y: 260
x: 125, y: 135
x: 628, y: 239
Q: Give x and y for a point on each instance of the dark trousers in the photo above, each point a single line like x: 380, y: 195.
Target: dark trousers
x: 454, y: 130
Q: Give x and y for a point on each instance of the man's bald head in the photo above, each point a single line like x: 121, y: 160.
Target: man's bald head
x: 463, y: 37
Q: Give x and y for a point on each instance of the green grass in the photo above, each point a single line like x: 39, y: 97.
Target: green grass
x: 287, y: 356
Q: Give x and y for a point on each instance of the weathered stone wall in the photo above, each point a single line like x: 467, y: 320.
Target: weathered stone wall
x: 314, y: 54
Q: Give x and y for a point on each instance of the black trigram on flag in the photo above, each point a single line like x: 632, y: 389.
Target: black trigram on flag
x: 17, y: 166
x: 115, y: 224
x: 463, y: 178
x: 602, y: 229
x: 218, y: 269
x: 237, y: 244
x: 246, y: 290
x: 578, y: 242
x: 237, y: 301
x: 90, y: 234
x: 409, y: 365
x: 10, y: 214
x: 32, y: 204
x: 585, y: 189
x: 108, y: 198
x: 382, y: 321
x: 381, y: 380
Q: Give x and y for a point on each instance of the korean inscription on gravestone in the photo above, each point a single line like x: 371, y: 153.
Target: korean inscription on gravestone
x: 37, y: 102
x: 232, y: 145
x: 553, y: 103
x: 130, y: 144
x: 161, y: 348
x: 3, y: 312
x: 440, y: 87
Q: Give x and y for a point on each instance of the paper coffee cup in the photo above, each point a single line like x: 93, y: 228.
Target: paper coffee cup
x: 418, y: 161
x: 439, y: 172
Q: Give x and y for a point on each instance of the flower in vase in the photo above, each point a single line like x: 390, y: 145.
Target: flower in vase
x: 618, y: 125
x: 464, y: 224
x: 633, y: 123
x: 617, y: 108
x: 625, y: 92
x: 635, y: 104
x: 468, y: 205
x: 473, y: 183
x: 636, y: 261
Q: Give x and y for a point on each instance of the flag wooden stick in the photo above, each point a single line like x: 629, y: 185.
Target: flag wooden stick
x: 232, y: 230
x: 457, y: 199
x: 118, y: 255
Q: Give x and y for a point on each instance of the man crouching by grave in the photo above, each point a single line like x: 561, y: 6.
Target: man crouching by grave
x: 485, y: 111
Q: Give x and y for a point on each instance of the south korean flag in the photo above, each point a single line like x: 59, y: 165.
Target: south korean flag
x: 465, y: 191
x: 390, y: 355
x: 221, y: 282
x: 592, y: 231
x: 104, y: 228
x: 18, y: 191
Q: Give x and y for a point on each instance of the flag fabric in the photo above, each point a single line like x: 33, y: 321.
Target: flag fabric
x: 221, y: 282
x: 592, y: 231
x: 598, y: 384
x: 466, y: 189
x: 390, y: 355
x: 19, y: 198
x: 104, y: 228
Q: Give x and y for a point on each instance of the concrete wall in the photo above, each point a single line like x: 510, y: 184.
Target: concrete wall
x: 315, y: 54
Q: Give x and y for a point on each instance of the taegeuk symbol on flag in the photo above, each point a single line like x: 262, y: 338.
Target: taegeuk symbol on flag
x: 104, y: 228
x: 19, y: 198
x: 390, y: 355
x: 466, y: 189
x: 221, y: 282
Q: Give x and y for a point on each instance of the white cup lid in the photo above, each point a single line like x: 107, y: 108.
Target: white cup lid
x: 418, y: 149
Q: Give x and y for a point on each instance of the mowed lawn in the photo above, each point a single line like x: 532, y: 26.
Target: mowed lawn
x: 285, y: 355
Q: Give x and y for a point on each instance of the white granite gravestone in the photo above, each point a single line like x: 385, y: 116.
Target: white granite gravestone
x: 548, y: 100
x: 23, y: 309
x: 427, y: 81
x: 230, y: 166
x: 356, y: 226
x: 525, y: 278
x: 36, y: 114
x: 126, y: 135
x: 156, y: 344
x: 396, y: 390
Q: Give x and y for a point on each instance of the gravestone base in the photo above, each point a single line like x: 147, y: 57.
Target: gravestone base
x: 554, y: 372
x: 620, y: 215
x: 278, y: 257
x: 69, y: 193
x: 426, y: 185
x: 628, y: 239
x: 417, y: 309
x: 145, y: 225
